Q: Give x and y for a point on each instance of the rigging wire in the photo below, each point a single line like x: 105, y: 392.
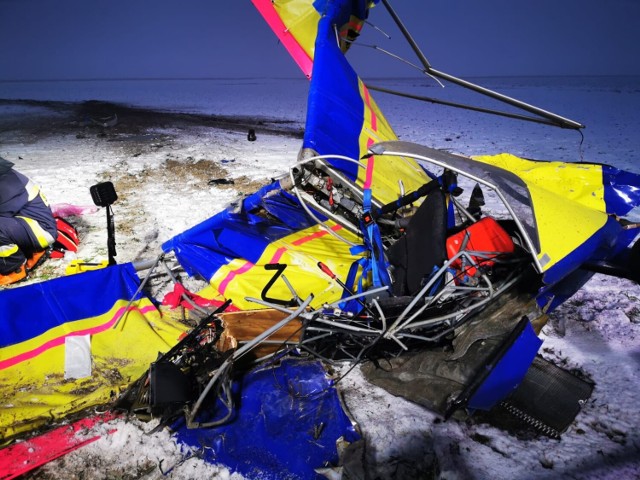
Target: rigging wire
x: 551, y: 118
x: 375, y: 27
x: 581, y: 146
x: 396, y: 57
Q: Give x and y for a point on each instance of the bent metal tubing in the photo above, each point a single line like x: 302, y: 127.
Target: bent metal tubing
x: 465, y: 310
x: 400, y: 322
x: 423, y: 159
x: 142, y: 285
x: 226, y: 365
x: 303, y: 202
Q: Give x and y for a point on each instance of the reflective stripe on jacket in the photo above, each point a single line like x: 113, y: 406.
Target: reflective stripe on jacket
x: 20, y: 197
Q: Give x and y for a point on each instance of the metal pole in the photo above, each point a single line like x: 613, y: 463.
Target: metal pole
x: 556, y: 119
x: 436, y: 101
x: 407, y: 35
x: 111, y: 237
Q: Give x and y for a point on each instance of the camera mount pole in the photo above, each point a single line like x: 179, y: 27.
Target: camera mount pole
x: 111, y: 236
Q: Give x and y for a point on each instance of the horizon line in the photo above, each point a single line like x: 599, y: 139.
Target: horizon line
x: 134, y: 79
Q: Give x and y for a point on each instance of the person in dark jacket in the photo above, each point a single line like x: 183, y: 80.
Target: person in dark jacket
x: 27, y: 226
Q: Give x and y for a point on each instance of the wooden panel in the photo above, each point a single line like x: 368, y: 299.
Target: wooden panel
x: 246, y: 325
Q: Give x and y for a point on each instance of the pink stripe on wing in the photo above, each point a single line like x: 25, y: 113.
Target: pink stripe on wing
x: 9, y: 362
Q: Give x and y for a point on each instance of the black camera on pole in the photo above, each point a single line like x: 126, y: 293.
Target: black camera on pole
x: 104, y: 195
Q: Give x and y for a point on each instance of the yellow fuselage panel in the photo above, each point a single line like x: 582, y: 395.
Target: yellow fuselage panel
x: 301, y: 252
x: 568, y: 202
x: 385, y: 174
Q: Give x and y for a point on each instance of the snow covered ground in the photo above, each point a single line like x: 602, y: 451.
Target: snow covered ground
x: 162, y: 164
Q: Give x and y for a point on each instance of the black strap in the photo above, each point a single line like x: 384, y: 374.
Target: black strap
x: 407, y: 199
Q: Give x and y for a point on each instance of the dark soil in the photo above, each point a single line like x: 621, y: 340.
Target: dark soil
x: 85, y: 118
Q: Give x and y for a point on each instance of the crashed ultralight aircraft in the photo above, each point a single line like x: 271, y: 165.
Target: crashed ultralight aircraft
x: 367, y: 249
x: 378, y: 237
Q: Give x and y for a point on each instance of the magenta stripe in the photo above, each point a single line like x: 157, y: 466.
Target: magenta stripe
x: 369, y: 176
x: 60, y: 340
x: 231, y: 275
x: 367, y: 100
x: 278, y: 255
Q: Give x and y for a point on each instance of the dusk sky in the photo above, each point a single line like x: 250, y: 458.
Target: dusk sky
x: 87, y: 39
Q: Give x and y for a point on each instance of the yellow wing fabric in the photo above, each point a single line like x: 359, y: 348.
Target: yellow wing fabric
x: 41, y: 330
x: 568, y: 202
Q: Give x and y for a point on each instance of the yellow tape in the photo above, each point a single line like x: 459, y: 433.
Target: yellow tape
x: 79, y: 266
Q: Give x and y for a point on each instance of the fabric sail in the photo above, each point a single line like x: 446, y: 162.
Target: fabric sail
x: 232, y: 249
x: 295, y: 23
x: 342, y: 116
x: 40, y: 322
